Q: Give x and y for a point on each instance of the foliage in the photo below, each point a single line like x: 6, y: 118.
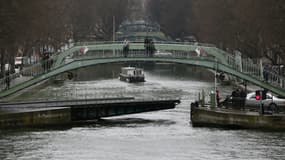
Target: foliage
x: 255, y: 27
x: 35, y: 24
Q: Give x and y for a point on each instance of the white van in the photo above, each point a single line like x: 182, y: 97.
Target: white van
x: 18, y: 62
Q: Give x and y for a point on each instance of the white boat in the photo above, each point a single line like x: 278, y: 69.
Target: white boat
x: 132, y: 74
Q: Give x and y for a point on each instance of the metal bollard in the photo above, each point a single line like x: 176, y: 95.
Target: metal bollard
x: 212, y: 99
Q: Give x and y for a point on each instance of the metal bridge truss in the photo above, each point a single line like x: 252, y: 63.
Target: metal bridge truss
x: 112, y: 52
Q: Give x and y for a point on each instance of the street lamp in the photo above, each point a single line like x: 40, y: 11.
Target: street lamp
x: 114, y: 28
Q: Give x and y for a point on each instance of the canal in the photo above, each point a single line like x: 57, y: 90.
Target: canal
x: 161, y: 135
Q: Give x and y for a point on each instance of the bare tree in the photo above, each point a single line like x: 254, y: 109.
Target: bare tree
x: 255, y: 27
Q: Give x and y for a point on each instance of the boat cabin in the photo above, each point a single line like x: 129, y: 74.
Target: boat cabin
x: 132, y: 74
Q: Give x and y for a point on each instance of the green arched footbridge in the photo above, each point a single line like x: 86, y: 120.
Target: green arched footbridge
x: 201, y: 55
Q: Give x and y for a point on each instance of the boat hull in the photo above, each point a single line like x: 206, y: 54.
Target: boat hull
x: 131, y: 79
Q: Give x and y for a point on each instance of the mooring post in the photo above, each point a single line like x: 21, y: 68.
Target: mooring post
x: 203, y: 98
x: 212, y: 99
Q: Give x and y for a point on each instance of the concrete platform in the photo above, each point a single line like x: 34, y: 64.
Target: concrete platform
x: 59, y: 113
x: 42, y: 117
x: 229, y: 118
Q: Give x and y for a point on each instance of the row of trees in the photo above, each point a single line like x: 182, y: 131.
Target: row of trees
x: 31, y: 25
x: 255, y: 27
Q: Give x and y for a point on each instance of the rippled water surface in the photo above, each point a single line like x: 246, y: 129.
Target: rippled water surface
x: 161, y: 135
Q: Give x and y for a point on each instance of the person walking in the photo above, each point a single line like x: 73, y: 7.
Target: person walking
x: 242, y: 98
x: 235, y: 98
x: 152, y: 48
x: 147, y: 46
x: 265, y: 72
x: 218, y: 98
x: 7, y: 80
x: 126, y: 48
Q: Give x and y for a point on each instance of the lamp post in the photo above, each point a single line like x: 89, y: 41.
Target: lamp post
x: 114, y: 28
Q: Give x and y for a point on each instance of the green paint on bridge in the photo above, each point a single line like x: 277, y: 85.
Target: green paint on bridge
x: 170, y: 47
x: 111, y: 52
x: 206, y: 62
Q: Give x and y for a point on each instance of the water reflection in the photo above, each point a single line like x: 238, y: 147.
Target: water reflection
x: 133, y: 122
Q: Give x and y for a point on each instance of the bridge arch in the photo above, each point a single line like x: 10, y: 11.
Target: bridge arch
x: 204, y: 62
x: 210, y: 50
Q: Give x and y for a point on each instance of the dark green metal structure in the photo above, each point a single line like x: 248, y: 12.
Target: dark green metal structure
x: 111, y: 52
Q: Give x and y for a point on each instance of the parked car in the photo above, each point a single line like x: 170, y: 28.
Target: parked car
x: 271, y: 102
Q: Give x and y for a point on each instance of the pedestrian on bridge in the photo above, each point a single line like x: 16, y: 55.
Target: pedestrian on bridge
x: 7, y: 80
x: 126, y: 48
x: 147, y: 45
x: 152, y: 48
x: 46, y: 62
x: 266, y: 73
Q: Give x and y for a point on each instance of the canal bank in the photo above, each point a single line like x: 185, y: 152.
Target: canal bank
x: 232, y: 118
x: 35, y: 118
x: 59, y: 113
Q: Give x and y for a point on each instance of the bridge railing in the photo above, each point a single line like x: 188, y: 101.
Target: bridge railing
x: 156, y: 42
x: 119, y: 53
x: 27, y: 73
x: 97, y: 43
x: 246, y: 66
x: 255, y: 69
x: 184, y: 46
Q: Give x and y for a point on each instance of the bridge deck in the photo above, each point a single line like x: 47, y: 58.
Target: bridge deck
x: 100, y: 53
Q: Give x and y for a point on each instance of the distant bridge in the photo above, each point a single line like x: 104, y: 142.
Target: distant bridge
x: 111, y: 52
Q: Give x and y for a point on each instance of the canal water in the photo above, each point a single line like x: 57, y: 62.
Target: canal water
x: 161, y: 135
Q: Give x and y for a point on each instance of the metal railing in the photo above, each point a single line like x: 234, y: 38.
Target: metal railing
x: 256, y: 70
x: 156, y: 42
x: 246, y: 66
x: 25, y: 74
